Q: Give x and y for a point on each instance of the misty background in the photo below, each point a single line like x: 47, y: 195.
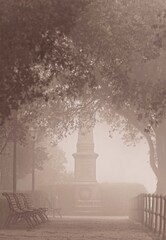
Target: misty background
x: 117, y: 162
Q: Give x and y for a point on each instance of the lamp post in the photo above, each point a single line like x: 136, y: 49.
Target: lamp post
x: 33, y: 133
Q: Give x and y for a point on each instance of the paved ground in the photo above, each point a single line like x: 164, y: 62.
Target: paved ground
x: 79, y: 229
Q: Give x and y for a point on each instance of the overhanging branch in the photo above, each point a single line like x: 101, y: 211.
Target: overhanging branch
x: 134, y: 121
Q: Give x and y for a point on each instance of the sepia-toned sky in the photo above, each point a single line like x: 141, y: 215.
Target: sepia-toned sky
x: 116, y: 161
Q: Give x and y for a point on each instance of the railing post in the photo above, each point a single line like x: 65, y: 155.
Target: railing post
x: 161, y: 214
x: 142, y: 208
x: 156, y: 214
x: 138, y: 208
x: 146, y: 209
x: 164, y: 219
x: 149, y: 222
x: 151, y: 211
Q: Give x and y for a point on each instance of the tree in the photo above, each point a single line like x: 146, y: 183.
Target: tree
x: 129, y: 67
x: 38, y: 51
x: 53, y: 171
x: 107, y: 38
x: 24, y: 157
x: 52, y: 119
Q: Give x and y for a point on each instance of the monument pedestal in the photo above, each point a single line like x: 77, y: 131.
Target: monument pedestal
x: 87, y: 199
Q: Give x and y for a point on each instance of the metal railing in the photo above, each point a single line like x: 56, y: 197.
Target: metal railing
x: 150, y: 210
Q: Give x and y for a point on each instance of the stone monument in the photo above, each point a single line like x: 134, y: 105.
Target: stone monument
x: 87, y: 193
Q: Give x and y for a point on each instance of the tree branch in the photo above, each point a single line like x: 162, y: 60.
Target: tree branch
x: 136, y: 123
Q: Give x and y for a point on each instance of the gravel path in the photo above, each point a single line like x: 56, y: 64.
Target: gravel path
x: 79, y: 229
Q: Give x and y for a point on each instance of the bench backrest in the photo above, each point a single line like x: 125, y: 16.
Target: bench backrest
x: 20, y: 201
x: 27, y: 200
x: 13, y: 204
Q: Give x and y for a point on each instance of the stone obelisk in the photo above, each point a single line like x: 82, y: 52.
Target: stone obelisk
x: 87, y: 196
x: 85, y: 157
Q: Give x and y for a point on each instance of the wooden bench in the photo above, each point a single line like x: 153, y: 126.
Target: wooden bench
x: 18, y: 209
x: 15, y: 213
x: 41, y: 212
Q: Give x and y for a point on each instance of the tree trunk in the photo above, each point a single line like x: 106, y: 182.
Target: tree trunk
x: 15, y: 151
x: 161, y: 184
x: 14, y: 164
x: 33, y: 167
x: 6, y: 180
x: 161, y: 158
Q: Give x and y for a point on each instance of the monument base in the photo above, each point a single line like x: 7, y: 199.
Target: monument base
x: 87, y: 199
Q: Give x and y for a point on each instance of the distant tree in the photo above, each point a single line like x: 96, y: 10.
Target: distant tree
x: 25, y: 156
x: 54, y: 170
x: 54, y: 119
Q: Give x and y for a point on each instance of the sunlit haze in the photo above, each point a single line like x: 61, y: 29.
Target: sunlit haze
x: 116, y: 161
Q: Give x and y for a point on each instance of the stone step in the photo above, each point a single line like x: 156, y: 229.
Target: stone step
x: 88, y: 208
x: 89, y: 203
x: 90, y: 200
x: 88, y: 213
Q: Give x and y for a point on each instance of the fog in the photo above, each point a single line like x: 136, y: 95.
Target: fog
x: 82, y: 119
x: 117, y: 162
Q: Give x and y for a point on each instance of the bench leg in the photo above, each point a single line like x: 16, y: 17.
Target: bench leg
x: 43, y: 217
x: 36, y: 219
x: 28, y: 221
